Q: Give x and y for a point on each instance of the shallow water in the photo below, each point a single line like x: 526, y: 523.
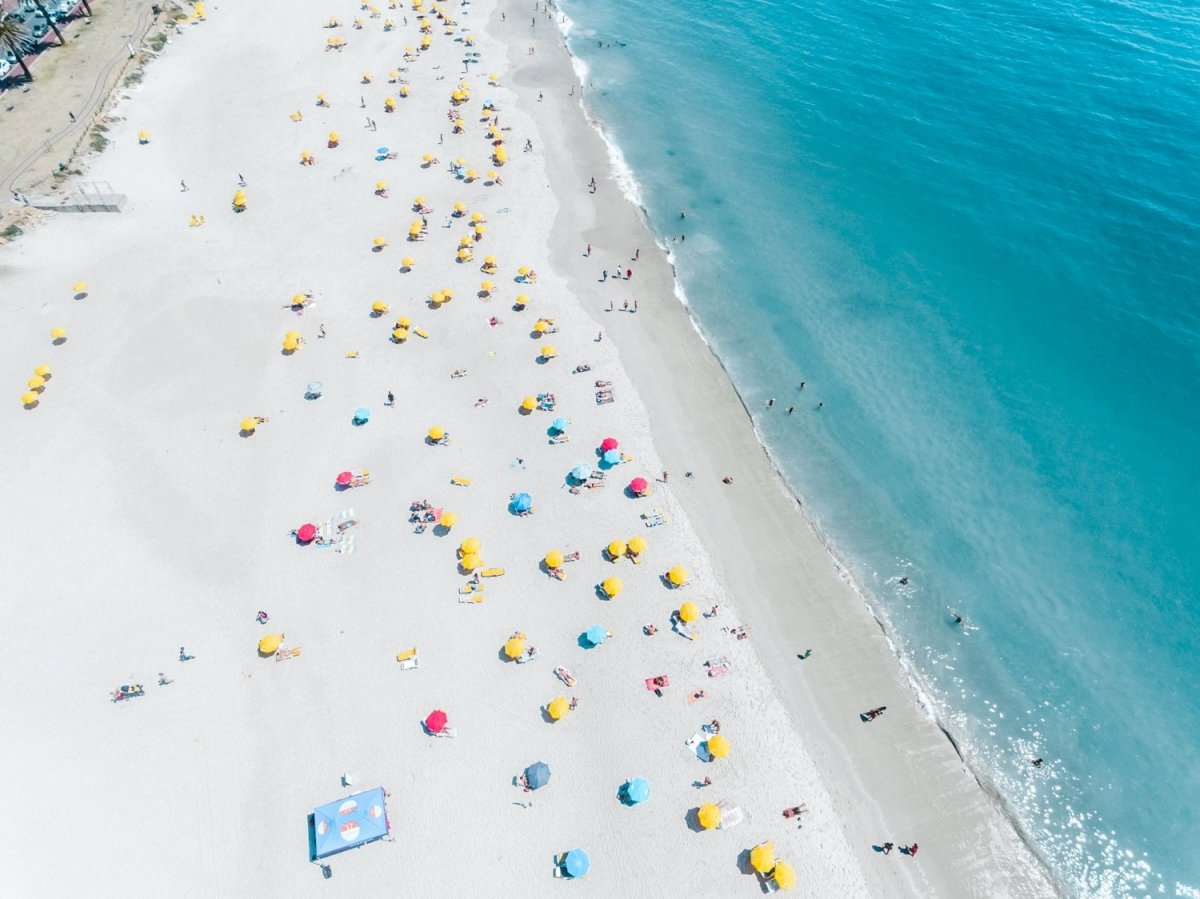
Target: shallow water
x: 971, y: 231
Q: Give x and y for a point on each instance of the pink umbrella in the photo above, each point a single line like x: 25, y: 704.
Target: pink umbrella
x: 306, y: 533
x: 436, y: 722
x: 344, y: 479
x: 638, y: 486
x: 608, y: 443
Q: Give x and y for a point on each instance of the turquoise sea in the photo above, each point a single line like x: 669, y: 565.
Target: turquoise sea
x: 973, y: 231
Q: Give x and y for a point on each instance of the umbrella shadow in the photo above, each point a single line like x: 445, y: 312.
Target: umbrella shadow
x: 440, y: 530
x: 35, y: 403
x: 523, y: 412
x: 547, y: 717
x: 287, y: 352
x: 243, y: 433
x: 59, y: 341
x: 743, y: 863
x: 542, y: 360
x: 81, y: 295
x: 601, y: 594
x: 692, y: 819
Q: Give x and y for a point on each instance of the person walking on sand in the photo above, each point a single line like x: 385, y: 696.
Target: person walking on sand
x: 635, y: 305
x: 770, y: 402
x: 183, y: 185
x: 791, y: 409
x: 241, y: 180
x: 599, y: 336
x: 637, y: 253
x: 588, y: 251
x: 610, y: 305
x: 604, y: 276
x: 627, y: 305
x: 391, y: 400
x: 321, y: 330
x: 888, y: 847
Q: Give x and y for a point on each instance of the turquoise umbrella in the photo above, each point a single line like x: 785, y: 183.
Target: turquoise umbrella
x: 612, y: 457
x: 362, y: 415
x: 581, y: 472
x: 637, y: 790
x: 537, y: 775
x: 522, y: 502
x: 560, y: 424
x: 595, y: 635
x: 577, y: 863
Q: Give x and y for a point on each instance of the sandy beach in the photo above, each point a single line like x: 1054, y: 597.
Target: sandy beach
x: 151, y: 521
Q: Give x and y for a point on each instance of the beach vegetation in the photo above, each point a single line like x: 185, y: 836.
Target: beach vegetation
x: 157, y: 41
x: 134, y: 77
x: 15, y: 36
x: 12, y: 232
x: 99, y: 139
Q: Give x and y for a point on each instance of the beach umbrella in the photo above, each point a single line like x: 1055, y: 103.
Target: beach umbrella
x: 554, y: 559
x: 143, y: 136
x: 436, y: 722
x: 541, y: 327
x: 379, y: 306
x: 403, y: 322
x: 514, y: 646
x: 58, y: 333
x: 249, y: 425
x: 292, y: 335
x: 362, y: 415
x: 448, y: 519
x: 380, y: 242
x: 487, y: 286
x: 616, y: 549
x: 78, y: 287
x: 306, y: 533
x: 400, y: 334
x: 334, y: 137
x: 268, y: 644
x: 577, y: 863
x: 437, y: 432
x: 42, y: 371
x: 637, y: 545
x: 464, y: 255
x: 465, y: 241
x: 785, y: 876
x: 470, y: 561
x: 678, y: 576
x: 529, y: 403
x: 407, y: 262
x: 521, y: 300
x: 298, y: 299
x: 522, y: 502
x: 581, y: 472
x: 595, y: 635
x: 709, y: 816
x: 291, y: 344
x: 637, y: 790
x: 523, y: 271
x: 688, y: 612
x: 469, y: 546
x: 488, y: 260
x: 36, y: 382
x: 608, y: 443
x: 549, y: 352
x: 638, y: 486
x: 611, y: 586
x: 29, y: 399
x: 718, y: 746
x: 381, y: 185
x: 344, y: 478
x: 437, y: 298
x: 560, y: 424
x: 313, y: 388
x: 428, y: 157
x: 762, y: 857
x: 558, y: 708
x: 537, y: 775
x: 612, y: 457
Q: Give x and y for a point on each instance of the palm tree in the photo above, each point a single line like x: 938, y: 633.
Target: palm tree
x: 15, y: 37
x: 49, y: 21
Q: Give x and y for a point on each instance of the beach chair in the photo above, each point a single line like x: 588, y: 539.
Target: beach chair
x: 282, y: 655
x: 351, y: 354
x: 492, y: 572
x: 408, y: 659
x: 603, y: 399
x: 560, y: 438
x: 559, y: 859
x: 460, y: 481
x: 345, y: 546
x: 469, y: 588
x: 597, y: 476
x: 421, y: 332
x: 731, y: 817
x: 476, y: 597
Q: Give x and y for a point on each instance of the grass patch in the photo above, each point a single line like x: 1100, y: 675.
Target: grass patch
x: 157, y: 41
x: 99, y: 139
x: 12, y: 232
x: 134, y: 77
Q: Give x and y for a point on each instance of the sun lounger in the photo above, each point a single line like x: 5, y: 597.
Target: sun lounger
x: 470, y: 587
x: 351, y: 354
x: 683, y: 630
x: 472, y: 598
x: 731, y: 817
x: 282, y: 655
x: 598, y: 475
x: 565, y: 676
x: 655, y: 517
x: 492, y: 572
x: 459, y: 481
x: 408, y: 659
x: 561, y: 438
x: 421, y: 332
x: 346, y: 545
x: 603, y: 400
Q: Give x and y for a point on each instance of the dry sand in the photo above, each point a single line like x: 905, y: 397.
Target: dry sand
x: 146, y: 522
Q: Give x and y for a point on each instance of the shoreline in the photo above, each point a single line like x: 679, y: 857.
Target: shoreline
x: 994, y: 801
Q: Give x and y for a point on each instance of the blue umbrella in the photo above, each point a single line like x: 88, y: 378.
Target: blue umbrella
x: 595, y: 635
x: 637, y: 790
x: 361, y: 415
x: 560, y: 424
x: 577, y: 863
x: 314, y: 389
x: 581, y: 472
x: 522, y: 502
x: 537, y: 775
x: 612, y: 457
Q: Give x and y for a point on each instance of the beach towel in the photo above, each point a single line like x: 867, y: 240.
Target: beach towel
x: 492, y: 572
x: 698, y: 743
x: 474, y: 597
x: 459, y: 481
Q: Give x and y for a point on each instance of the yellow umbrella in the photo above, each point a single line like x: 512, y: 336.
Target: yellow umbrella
x: 403, y: 322
x: 521, y: 300
x: 492, y: 176
x: 489, y: 260
x: 709, y: 816
x: 437, y: 298
x: 380, y: 241
x: 249, y: 425
x: 298, y: 299
x: 270, y: 643
x: 678, y: 576
x: 28, y: 399
x: 143, y: 136
x: 42, y: 371
x: 528, y: 404
x: 36, y: 382
x: 762, y: 857
x: 616, y: 549
x: 334, y: 137
x: 292, y: 335
x: 718, y: 747
x: 469, y: 546
x: 463, y: 254
x: 549, y: 352
x: 389, y: 103
x: 558, y: 708
x: 407, y: 262
x: 785, y: 876
x: 554, y: 559
x: 379, y: 306
x: 460, y: 161
x: 480, y: 230
x: 637, y: 545
x: 688, y: 612
x: 418, y: 201
x: 78, y: 287
x: 381, y: 185
x: 541, y: 327
x: 366, y: 76
x: 404, y: 90
x: 477, y: 217
x: 611, y: 586
x: 448, y: 520
x: 58, y: 333
x: 428, y: 157
x: 393, y: 74
x: 471, y: 173
x: 514, y: 646
x: 486, y: 286
x: 447, y: 293
x: 460, y: 207
x: 470, y: 561
x: 400, y: 334
x: 291, y: 344
x: 437, y: 432
x: 523, y: 271
x: 465, y: 241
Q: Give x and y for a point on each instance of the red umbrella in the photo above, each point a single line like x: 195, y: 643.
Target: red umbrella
x: 344, y: 479
x: 306, y: 533
x: 638, y: 486
x: 436, y: 722
x: 608, y: 443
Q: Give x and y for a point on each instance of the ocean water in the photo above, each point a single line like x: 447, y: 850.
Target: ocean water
x: 973, y: 231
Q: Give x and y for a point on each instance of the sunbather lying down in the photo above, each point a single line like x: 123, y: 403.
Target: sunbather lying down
x: 458, y: 373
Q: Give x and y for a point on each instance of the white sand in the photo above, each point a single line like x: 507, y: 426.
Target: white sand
x: 144, y: 521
